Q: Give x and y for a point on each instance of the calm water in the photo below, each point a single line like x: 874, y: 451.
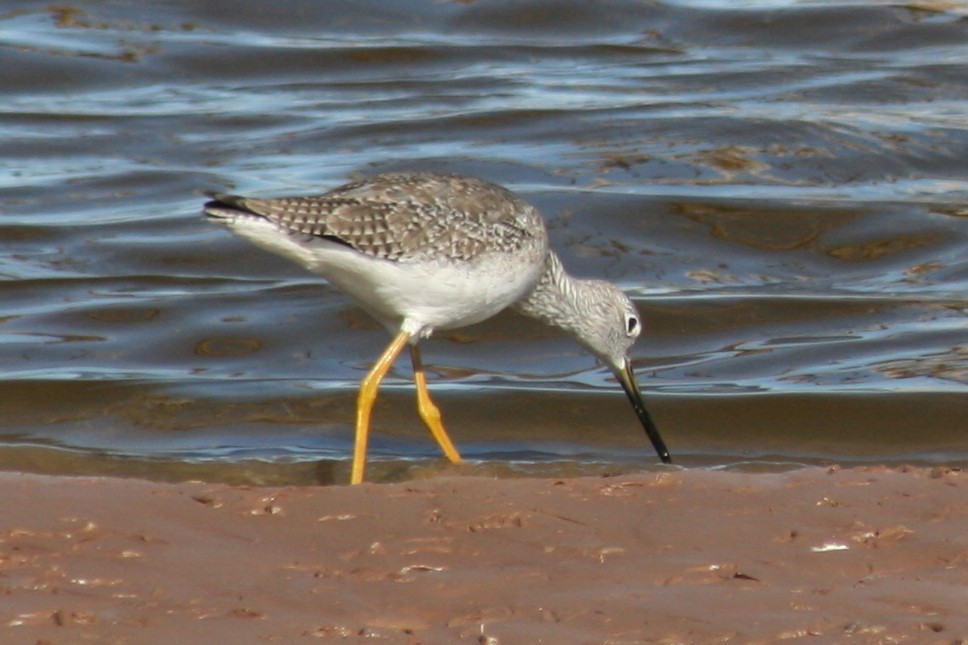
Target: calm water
x: 781, y: 186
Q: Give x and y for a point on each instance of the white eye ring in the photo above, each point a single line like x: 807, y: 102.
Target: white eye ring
x: 632, y: 326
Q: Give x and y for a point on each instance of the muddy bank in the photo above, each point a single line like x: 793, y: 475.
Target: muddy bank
x: 863, y: 555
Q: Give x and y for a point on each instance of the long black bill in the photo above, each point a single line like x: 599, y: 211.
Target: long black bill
x: 627, y: 377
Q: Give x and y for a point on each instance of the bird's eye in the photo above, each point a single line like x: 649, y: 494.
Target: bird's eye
x: 632, y: 326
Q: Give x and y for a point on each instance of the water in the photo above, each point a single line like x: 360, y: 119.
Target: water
x: 781, y: 186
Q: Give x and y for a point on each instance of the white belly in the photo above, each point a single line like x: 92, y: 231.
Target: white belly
x: 418, y: 296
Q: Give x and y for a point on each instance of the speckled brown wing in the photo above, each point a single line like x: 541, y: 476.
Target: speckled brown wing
x: 410, y: 217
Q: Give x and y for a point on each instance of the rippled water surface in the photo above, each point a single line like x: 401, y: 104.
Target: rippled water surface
x: 780, y: 186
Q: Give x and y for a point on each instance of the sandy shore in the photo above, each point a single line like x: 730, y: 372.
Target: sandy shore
x: 820, y: 556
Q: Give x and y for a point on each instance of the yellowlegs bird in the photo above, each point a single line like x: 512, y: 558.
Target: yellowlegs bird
x: 423, y: 251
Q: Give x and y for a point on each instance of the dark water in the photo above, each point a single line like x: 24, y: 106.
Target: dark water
x: 781, y: 186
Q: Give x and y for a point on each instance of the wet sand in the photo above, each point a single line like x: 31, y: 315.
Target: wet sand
x: 866, y: 555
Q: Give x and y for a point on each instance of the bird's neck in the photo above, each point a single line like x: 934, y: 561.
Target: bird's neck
x: 554, y: 298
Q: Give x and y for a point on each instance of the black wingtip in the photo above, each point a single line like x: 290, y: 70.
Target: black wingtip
x: 225, y: 200
x: 223, y: 205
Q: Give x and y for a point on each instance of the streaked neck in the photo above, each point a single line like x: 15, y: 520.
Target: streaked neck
x: 553, y: 300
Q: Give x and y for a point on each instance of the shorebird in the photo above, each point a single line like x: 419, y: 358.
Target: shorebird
x: 425, y: 251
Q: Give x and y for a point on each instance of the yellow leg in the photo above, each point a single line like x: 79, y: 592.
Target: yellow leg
x: 429, y: 412
x: 366, y: 399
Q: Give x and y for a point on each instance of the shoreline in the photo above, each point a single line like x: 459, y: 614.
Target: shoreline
x: 867, y: 554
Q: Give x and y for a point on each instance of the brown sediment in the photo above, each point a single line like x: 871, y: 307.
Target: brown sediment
x: 866, y: 555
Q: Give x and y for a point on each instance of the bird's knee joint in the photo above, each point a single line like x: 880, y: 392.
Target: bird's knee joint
x: 366, y: 397
x: 428, y: 411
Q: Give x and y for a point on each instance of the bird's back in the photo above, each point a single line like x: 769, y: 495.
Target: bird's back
x: 407, y: 217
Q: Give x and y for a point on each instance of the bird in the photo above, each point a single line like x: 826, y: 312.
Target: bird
x: 424, y: 251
